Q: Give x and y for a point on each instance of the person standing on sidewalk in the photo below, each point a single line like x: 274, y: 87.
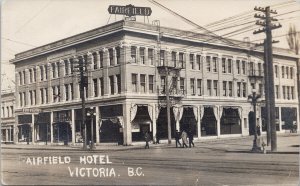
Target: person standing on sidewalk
x: 184, y: 139
x: 191, y: 138
x: 147, y: 139
x: 177, y: 137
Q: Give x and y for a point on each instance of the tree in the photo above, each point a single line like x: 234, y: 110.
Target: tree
x: 293, y: 39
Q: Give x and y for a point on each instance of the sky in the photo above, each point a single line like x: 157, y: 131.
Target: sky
x: 26, y: 24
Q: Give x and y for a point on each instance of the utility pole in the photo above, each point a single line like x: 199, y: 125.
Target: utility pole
x: 268, y: 27
x: 83, y: 85
x: 267, y: 107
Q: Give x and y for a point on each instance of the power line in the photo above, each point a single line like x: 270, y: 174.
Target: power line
x: 34, y: 16
x: 20, y: 42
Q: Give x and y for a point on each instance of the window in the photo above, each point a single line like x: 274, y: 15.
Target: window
x: 143, y: 83
x: 151, y: 84
x: 53, y: 70
x: 198, y: 57
x: 34, y: 74
x: 192, y: 81
x: 174, y: 85
x: 259, y: 69
x: 42, y: 72
x: 229, y: 63
x: 199, y: 87
x: 67, y: 67
x: 230, y: 88
x: 224, y: 65
x: 72, y: 66
x: 42, y: 96
x: 46, y: 72
x: 192, y: 61
x: 182, y: 85
x: 238, y: 68
x: 30, y: 76
x: 209, y: 87
x: 181, y: 60
x: 112, y: 84
x: 260, y: 87
x: 142, y: 56
x: 30, y: 97
x: 102, y: 86
x: 244, y: 67
x: 134, y: 82
x: 277, y: 91
x: 208, y: 63
x: 162, y: 58
x: 287, y: 72
x: 118, y: 76
x: 239, y: 89
x: 24, y: 77
x: 288, y: 92
x: 292, y: 92
x: 251, y: 69
x: 111, y: 57
x: 101, y: 59
x: 58, y: 69
x: 118, y: 55
x: 224, y: 88
x: 20, y: 78
x: 163, y: 84
x: 244, y: 89
x: 173, y: 58
x: 292, y: 73
x: 12, y: 110
x: 283, y: 92
x: 20, y: 99
x: 215, y: 64
x: 96, y: 58
x: 133, y: 54
x: 67, y: 92
x: 150, y: 56
x: 215, y: 88
x: 276, y: 71
x: 95, y: 83
x: 282, y: 71
x: 71, y: 91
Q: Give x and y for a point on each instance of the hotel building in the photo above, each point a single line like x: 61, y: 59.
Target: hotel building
x: 128, y: 66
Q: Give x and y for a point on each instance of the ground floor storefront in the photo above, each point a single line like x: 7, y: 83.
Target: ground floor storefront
x: 125, y: 123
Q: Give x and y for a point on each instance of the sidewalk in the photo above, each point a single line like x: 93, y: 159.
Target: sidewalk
x: 286, y: 143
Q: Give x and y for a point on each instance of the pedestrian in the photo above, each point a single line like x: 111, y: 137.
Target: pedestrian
x: 184, y: 139
x: 191, y: 138
x: 157, y: 137
x: 147, y: 139
x: 258, y: 130
x: 177, y: 137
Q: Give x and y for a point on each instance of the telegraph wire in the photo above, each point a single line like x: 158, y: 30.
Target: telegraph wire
x: 34, y: 16
x: 20, y: 42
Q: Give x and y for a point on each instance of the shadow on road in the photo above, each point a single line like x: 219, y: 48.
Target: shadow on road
x: 268, y: 152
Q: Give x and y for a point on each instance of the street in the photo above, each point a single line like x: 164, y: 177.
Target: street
x: 211, y: 162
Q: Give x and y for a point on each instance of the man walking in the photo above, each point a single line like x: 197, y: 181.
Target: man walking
x: 147, y: 139
x: 177, y: 137
x: 191, y: 138
x: 184, y: 139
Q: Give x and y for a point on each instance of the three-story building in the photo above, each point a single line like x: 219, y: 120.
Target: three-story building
x: 129, y: 67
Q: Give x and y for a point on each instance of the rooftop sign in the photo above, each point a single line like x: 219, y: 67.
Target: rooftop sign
x: 129, y: 10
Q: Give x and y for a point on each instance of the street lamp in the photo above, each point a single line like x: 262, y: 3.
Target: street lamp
x: 90, y: 113
x: 254, y: 99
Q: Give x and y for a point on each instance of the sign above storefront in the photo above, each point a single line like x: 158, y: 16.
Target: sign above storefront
x: 129, y: 10
x: 31, y: 110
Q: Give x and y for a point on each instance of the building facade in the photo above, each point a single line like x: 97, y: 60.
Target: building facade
x: 130, y: 67
x: 7, y: 117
